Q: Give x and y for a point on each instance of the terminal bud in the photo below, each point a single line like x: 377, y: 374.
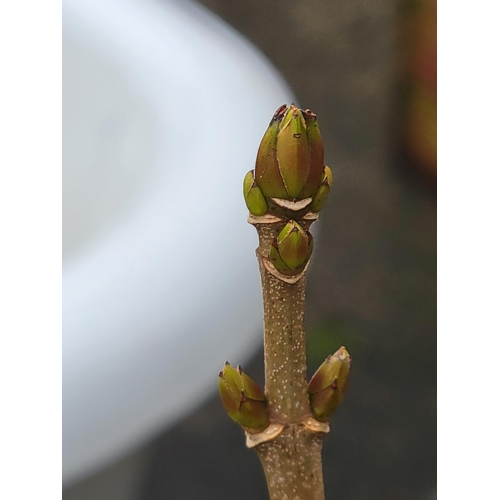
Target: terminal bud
x: 290, y: 159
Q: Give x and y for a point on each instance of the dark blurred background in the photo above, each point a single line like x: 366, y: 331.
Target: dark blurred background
x: 368, y: 69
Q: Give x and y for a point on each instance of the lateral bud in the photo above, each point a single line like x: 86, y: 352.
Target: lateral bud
x: 323, y: 191
x: 328, y: 385
x: 254, y: 199
x: 291, y: 250
x: 244, y: 401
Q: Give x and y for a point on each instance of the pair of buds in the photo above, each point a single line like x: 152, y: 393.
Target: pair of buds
x: 245, y: 401
x: 290, y: 163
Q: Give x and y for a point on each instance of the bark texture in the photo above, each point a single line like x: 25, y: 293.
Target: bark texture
x: 292, y: 459
x: 292, y: 464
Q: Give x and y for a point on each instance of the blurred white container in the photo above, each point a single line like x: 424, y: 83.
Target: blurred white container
x: 163, y: 109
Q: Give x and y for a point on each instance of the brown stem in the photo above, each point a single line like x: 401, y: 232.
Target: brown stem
x: 291, y: 459
x: 292, y: 464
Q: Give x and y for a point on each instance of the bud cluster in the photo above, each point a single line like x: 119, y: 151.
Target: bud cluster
x: 244, y: 401
x: 290, y: 163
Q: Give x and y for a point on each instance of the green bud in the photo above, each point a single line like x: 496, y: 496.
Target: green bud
x: 290, y: 159
x: 267, y: 173
x: 254, y: 199
x: 292, y: 249
x: 323, y: 191
x: 317, y: 154
x: 250, y: 387
x: 292, y: 150
x: 329, y: 384
x: 327, y: 176
x: 277, y: 261
x: 243, y: 399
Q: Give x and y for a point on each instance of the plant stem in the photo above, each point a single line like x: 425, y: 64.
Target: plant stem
x: 292, y: 464
x: 292, y: 459
x: 284, y: 339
